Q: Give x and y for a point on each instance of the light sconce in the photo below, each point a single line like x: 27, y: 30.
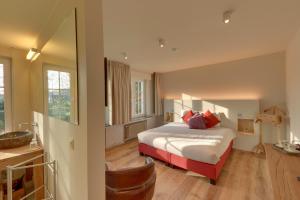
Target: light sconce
x: 33, y: 54
x: 227, y: 16
x: 161, y: 43
x: 125, y: 55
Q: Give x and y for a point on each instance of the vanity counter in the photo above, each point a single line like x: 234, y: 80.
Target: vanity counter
x: 17, y: 155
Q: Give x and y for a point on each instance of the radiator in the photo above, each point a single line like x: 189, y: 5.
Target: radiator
x: 132, y: 129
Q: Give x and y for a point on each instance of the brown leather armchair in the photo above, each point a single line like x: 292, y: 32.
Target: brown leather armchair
x: 131, y: 184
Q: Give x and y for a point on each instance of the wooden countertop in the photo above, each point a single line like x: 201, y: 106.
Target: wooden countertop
x: 284, y: 169
x: 16, y: 155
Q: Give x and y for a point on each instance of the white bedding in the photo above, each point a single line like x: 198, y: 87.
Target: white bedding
x: 200, y: 145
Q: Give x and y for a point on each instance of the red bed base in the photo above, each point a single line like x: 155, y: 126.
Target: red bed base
x: 209, y: 170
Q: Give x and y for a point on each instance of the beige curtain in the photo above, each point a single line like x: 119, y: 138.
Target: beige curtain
x: 158, y: 108
x: 120, y: 83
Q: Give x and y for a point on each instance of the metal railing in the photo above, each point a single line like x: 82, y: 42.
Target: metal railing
x: 47, y: 166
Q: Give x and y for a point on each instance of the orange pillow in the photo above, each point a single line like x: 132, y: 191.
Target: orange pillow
x: 187, y: 116
x: 211, y: 119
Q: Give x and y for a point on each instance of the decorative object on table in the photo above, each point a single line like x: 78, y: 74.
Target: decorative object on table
x: 275, y: 116
x: 169, y: 117
x: 298, y: 147
x: 287, y: 147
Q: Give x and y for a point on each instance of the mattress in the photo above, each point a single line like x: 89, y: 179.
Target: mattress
x: 200, y: 145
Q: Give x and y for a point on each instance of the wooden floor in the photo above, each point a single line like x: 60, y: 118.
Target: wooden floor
x: 244, y: 177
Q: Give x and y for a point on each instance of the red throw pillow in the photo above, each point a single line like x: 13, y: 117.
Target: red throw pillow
x: 187, y: 116
x: 211, y: 119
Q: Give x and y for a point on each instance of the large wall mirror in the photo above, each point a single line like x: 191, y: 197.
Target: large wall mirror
x: 60, y: 71
x: 38, y: 62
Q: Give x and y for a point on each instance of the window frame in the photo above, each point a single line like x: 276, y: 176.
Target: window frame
x: 133, y: 99
x: 73, y: 82
x: 7, y: 73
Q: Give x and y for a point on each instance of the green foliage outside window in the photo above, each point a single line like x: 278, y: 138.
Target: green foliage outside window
x: 59, y: 95
x: 59, y: 104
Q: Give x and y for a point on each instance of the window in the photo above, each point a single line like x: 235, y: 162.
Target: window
x: 59, y: 94
x: 138, y: 98
x: 5, y: 95
x: 2, y: 117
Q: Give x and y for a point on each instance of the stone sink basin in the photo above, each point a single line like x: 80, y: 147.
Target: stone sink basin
x: 15, y: 139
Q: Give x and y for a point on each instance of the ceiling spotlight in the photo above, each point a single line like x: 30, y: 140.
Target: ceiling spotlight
x: 33, y: 54
x: 125, y: 56
x: 227, y: 16
x: 161, y: 43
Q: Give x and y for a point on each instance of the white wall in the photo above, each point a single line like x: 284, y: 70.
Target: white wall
x: 20, y: 85
x: 293, y: 85
x: 261, y: 77
x: 114, y: 135
x: 95, y: 101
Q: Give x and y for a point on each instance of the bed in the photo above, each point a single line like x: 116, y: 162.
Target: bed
x: 200, y: 151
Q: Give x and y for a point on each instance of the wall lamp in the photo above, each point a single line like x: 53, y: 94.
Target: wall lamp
x: 33, y: 54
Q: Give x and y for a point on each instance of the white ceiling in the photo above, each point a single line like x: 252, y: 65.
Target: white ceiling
x: 195, y: 27
x: 22, y: 20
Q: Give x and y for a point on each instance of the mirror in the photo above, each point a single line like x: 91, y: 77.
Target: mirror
x: 39, y: 46
x: 38, y: 77
x: 60, y: 72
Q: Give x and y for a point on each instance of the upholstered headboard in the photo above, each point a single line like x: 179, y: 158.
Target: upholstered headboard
x: 232, y: 109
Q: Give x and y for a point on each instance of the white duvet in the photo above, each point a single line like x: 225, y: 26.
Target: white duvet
x: 200, y: 145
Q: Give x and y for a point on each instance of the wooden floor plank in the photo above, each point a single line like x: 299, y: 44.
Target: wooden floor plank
x: 284, y: 170
x: 244, y: 177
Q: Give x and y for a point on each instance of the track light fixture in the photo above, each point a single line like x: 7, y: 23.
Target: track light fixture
x: 125, y: 55
x: 33, y: 54
x: 227, y: 16
x: 161, y: 43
